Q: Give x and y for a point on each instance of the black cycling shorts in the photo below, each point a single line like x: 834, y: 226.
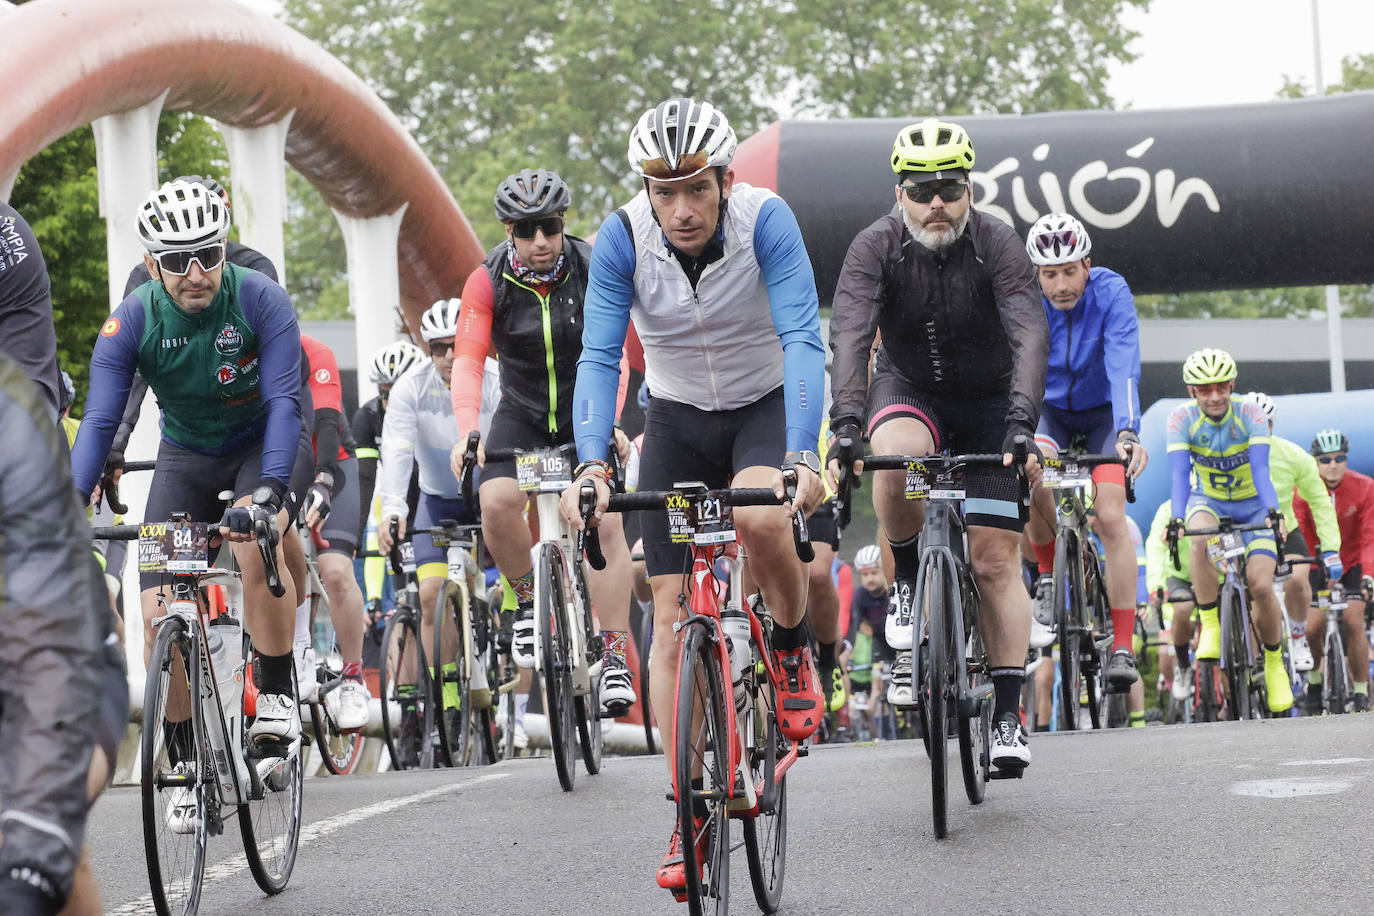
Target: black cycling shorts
x: 821, y: 528
x: 515, y: 427
x: 340, y: 529
x: 958, y: 427
x: 1296, y: 545
x: 1350, y: 579
x: 684, y: 443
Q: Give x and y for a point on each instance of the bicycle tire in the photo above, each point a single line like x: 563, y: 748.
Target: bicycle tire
x: 646, y: 642
x: 555, y: 662
x: 704, y: 745
x: 975, y: 732
x: 1208, y: 691
x: 1334, y: 690
x: 270, y: 821
x: 930, y: 589
x: 339, y: 751
x: 407, y: 738
x: 172, y: 895
x: 1097, y: 619
x: 1068, y: 620
x: 1235, y: 656
x: 486, y: 636
x: 765, y: 835
x: 449, y: 722
x: 587, y: 707
x: 921, y: 683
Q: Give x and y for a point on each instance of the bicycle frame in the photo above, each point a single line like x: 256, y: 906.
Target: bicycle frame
x: 936, y: 539
x: 555, y: 532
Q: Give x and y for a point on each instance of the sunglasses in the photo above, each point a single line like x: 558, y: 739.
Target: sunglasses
x: 687, y: 165
x: 1328, y: 459
x: 526, y: 228
x: 440, y: 347
x: 178, y: 263
x: 925, y: 193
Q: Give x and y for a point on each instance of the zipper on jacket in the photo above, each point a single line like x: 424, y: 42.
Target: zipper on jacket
x: 1068, y: 357
x: 546, y: 320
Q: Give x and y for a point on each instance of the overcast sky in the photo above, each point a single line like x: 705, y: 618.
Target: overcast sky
x: 1218, y: 52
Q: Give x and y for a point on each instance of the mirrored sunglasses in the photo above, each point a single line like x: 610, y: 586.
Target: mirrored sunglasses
x: 178, y: 263
x: 925, y: 193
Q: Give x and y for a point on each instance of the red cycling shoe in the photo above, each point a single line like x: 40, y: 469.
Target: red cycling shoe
x: 799, y: 693
x: 672, y: 875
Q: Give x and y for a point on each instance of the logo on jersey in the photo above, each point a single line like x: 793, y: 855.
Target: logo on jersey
x: 226, y: 374
x: 110, y: 328
x: 322, y: 376
x: 229, y: 340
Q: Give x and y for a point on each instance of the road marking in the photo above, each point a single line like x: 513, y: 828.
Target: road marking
x: 1326, y: 762
x: 1289, y: 788
x: 308, y: 834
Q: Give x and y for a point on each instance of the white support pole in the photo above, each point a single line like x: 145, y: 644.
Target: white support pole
x: 126, y: 166
x: 374, y: 283
x: 1333, y: 294
x: 257, y: 163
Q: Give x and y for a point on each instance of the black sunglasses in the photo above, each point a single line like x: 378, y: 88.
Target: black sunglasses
x: 178, y: 263
x: 925, y: 193
x: 1327, y: 459
x: 440, y: 347
x: 526, y: 228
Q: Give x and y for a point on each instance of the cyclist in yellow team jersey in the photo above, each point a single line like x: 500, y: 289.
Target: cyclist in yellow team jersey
x: 1225, y: 440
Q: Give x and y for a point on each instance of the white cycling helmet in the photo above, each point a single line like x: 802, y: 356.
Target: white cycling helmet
x: 182, y: 216
x: 1264, y: 402
x: 868, y: 557
x: 392, y: 361
x: 440, y: 320
x: 680, y: 138
x: 1057, y: 238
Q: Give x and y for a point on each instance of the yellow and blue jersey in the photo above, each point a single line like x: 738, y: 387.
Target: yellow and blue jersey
x: 1229, y: 456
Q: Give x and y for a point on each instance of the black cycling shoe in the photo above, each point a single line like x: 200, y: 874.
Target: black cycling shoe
x: 1121, y: 671
x: 1313, y: 702
x: 1361, y: 703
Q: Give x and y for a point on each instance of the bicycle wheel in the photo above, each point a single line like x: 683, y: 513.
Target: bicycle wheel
x: 921, y: 657
x: 646, y: 642
x: 555, y: 661
x: 407, y: 693
x: 1069, y: 617
x: 765, y: 836
x: 339, y: 750
x: 174, y: 763
x: 975, y: 732
x: 1208, y: 691
x: 1235, y: 654
x: 270, y: 822
x: 1095, y: 642
x: 702, y: 751
x: 936, y: 675
x: 587, y: 707
x: 460, y: 718
x: 1334, y: 682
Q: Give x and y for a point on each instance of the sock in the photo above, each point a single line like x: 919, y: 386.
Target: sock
x: 1360, y: 688
x: 1006, y: 685
x: 451, y: 700
x: 508, y: 600
x: 1044, y: 556
x: 303, y: 623
x: 1138, y: 719
x: 353, y: 671
x: 177, y: 736
x: 1273, y: 652
x: 699, y: 809
x: 1314, y: 677
x: 785, y: 639
x: 524, y: 588
x: 276, y: 673
x: 1123, y: 628
x: 906, y: 559
x: 1184, y: 654
x: 825, y: 656
x: 613, y: 645
x: 522, y: 700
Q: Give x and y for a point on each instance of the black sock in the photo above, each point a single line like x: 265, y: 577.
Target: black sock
x: 276, y: 672
x: 699, y: 809
x: 785, y: 639
x: 906, y: 558
x: 1273, y: 648
x: 178, y: 737
x: 1006, y: 686
x: 1184, y: 654
x: 825, y: 657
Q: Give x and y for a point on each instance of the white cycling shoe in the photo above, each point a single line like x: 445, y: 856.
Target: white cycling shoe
x: 522, y: 638
x: 897, y: 629
x: 347, y: 705
x: 899, y: 691
x: 278, y: 722
x: 617, y: 689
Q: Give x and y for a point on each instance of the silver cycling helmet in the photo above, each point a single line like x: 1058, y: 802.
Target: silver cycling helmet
x: 440, y: 320
x: 680, y: 138
x: 529, y: 193
x: 182, y: 216
x: 392, y: 361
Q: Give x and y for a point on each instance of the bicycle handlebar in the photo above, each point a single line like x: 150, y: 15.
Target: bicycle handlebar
x: 1092, y: 461
x: 1226, y: 526
x: 1019, y: 455
x: 264, y: 531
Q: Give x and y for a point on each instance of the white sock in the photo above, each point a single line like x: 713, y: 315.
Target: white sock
x: 303, y: 624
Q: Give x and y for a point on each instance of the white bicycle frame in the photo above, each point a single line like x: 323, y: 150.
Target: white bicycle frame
x: 463, y: 570
x: 553, y: 529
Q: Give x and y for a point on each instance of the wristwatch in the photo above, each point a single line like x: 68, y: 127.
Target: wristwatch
x: 807, y: 457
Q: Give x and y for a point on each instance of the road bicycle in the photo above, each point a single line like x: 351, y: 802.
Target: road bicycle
x: 198, y: 766
x: 1336, y: 679
x: 340, y: 751
x: 567, y: 650
x: 1240, y: 664
x: 949, y: 663
x: 409, y: 701
x: 725, y: 728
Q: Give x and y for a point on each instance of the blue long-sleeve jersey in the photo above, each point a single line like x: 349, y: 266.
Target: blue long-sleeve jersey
x: 1095, y: 351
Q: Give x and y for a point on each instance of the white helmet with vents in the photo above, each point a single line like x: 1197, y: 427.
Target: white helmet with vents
x: 680, y: 138
x: 182, y: 216
x: 440, y: 320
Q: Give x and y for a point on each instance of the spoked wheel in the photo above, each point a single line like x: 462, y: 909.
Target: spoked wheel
x: 701, y: 751
x: 975, y: 733
x: 921, y: 683
x: 465, y: 714
x: 176, y: 777
x: 270, y: 822
x: 1069, y: 622
x: 1236, y: 657
x: 588, y: 706
x: 339, y: 750
x: 1096, y: 644
x: 1334, y: 687
x: 551, y: 596
x: 936, y: 676
x: 407, y: 694
x: 1208, y: 691
x: 646, y: 642
x: 765, y: 836
x: 485, y: 633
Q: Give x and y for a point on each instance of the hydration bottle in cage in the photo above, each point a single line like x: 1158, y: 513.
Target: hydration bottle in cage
x: 735, y: 623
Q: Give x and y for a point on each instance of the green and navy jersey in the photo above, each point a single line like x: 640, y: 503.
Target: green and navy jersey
x: 224, y: 378
x: 1230, y: 456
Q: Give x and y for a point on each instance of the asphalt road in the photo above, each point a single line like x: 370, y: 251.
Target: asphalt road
x: 1251, y: 817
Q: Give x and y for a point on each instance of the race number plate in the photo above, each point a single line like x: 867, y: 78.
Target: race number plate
x: 176, y: 547
x: 407, y: 557
x: 949, y: 484
x: 1065, y: 475
x: 1225, y: 545
x: 699, y: 518
x: 544, y: 471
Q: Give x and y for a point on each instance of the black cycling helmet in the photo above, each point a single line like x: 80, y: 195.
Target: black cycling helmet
x: 529, y: 193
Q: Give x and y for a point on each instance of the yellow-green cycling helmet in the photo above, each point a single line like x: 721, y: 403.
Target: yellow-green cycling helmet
x: 1208, y: 366
x: 931, y: 145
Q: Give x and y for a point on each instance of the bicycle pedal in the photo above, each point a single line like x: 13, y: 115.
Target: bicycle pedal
x: 998, y: 773
x: 971, y: 702
x: 803, y: 750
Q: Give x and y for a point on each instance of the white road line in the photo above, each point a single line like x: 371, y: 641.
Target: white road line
x: 309, y: 833
x: 1325, y: 762
x: 1289, y: 788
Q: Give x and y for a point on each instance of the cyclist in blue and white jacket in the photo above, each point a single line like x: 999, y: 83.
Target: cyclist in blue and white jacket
x: 1091, y: 390
x: 724, y: 300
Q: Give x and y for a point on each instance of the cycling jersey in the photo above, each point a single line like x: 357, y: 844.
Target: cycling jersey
x: 964, y: 323
x: 225, y: 378
x: 27, y: 334
x: 1353, y: 499
x: 1290, y: 468
x: 1095, y: 351
x: 750, y: 321
x: 333, y: 439
x: 1231, y: 455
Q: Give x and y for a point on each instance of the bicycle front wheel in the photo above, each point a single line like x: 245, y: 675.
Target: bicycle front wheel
x: 176, y: 777
x: 551, y: 596
x: 407, y: 693
x: 588, y: 705
x: 1334, y: 687
x: 702, y: 753
x: 936, y: 676
x: 1236, y: 654
x: 765, y: 835
x: 1069, y: 618
x: 270, y: 821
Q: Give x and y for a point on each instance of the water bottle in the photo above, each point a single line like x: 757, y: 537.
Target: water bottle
x: 225, y: 638
x: 735, y: 623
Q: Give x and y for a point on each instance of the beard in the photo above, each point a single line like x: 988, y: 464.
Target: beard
x: 935, y: 240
